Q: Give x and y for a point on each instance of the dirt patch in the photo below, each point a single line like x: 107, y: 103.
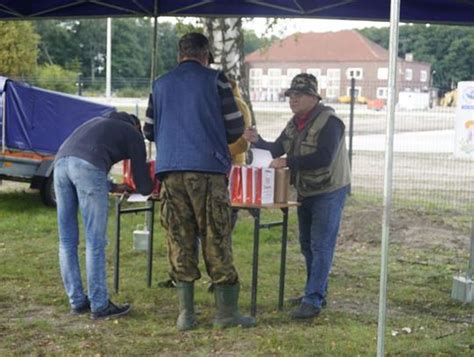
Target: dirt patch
x: 412, y: 228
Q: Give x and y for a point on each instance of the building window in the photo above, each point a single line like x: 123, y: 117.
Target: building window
x: 382, y: 73
x: 357, y: 91
x: 256, y: 78
x: 408, y: 74
x: 382, y: 93
x: 274, y: 78
x: 332, y: 92
x: 423, y: 76
x: 355, y: 73
x: 315, y: 72
x: 333, y: 82
x: 290, y: 74
x: 255, y: 72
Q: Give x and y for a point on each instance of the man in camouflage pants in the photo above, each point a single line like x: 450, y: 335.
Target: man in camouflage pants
x: 192, y: 116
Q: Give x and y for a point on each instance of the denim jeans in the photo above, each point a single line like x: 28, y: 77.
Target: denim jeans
x: 319, y: 218
x: 79, y: 184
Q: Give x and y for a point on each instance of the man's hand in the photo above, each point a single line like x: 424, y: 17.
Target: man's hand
x: 121, y: 188
x: 278, y: 163
x: 251, y: 135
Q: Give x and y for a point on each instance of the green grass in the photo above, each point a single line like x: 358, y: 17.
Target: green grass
x: 33, y: 306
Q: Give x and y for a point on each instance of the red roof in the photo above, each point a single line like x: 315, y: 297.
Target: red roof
x: 341, y: 46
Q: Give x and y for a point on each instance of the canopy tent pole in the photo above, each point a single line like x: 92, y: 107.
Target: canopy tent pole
x: 108, y: 70
x: 387, y: 192
x: 154, y: 53
x: 4, y: 110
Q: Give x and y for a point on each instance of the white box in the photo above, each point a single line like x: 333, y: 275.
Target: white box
x: 463, y: 289
x: 268, y: 186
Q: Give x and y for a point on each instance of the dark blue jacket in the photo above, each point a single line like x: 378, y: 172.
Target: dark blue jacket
x: 106, y: 141
x: 189, y: 125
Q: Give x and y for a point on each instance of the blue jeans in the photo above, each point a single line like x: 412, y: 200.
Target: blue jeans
x: 319, y: 219
x: 79, y: 184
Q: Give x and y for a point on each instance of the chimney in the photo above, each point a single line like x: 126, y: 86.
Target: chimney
x: 409, y: 57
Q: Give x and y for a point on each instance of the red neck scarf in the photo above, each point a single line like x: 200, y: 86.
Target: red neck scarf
x: 301, y: 121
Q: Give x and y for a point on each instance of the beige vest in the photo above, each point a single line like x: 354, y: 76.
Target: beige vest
x: 327, y: 179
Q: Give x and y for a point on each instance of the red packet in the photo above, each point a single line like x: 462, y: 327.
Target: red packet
x: 156, y: 183
x: 128, y: 176
x: 235, y: 184
x: 258, y: 186
x: 249, y: 188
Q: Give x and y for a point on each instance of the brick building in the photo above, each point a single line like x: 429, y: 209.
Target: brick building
x: 334, y: 58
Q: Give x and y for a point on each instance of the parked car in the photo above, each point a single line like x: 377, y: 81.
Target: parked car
x: 34, y: 122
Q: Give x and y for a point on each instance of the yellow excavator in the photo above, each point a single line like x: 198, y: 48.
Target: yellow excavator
x: 449, y: 99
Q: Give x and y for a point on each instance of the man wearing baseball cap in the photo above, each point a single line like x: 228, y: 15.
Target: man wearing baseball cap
x: 316, y: 154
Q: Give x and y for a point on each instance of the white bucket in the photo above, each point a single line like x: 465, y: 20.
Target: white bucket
x: 140, y: 239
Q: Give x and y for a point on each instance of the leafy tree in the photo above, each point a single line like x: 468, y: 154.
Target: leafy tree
x: 168, y: 37
x: 130, y: 50
x: 56, y: 44
x: 449, y: 49
x: 54, y: 77
x: 252, y: 42
x: 18, y: 50
x: 73, y: 43
x: 89, y: 38
x: 183, y: 28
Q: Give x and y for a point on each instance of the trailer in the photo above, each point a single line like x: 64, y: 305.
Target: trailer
x: 34, y: 122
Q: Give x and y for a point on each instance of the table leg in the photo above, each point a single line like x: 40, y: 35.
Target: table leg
x: 284, y: 239
x: 118, y: 201
x: 256, y: 238
x: 150, y: 223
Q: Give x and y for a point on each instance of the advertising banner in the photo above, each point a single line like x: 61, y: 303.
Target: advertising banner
x: 464, y: 124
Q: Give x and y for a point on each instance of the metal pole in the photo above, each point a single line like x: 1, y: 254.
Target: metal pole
x: 256, y: 237
x: 351, y: 124
x: 154, y: 66
x: 150, y: 216
x: 284, y: 241
x: 387, y: 193
x: 470, y: 271
x: 118, y: 202
x: 154, y: 54
x: 4, y: 110
x: 79, y: 85
x: 108, y: 72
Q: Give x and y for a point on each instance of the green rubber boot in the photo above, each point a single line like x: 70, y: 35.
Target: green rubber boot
x: 227, y: 315
x: 187, y: 318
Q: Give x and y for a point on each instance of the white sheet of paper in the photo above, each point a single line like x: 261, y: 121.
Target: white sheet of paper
x: 136, y: 197
x: 261, y: 158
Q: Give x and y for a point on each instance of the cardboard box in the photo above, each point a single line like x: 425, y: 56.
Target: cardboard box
x: 282, y: 185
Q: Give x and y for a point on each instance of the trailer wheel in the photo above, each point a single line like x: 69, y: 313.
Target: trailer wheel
x: 48, y: 196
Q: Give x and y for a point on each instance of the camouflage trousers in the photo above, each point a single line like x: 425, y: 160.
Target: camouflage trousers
x: 195, y: 206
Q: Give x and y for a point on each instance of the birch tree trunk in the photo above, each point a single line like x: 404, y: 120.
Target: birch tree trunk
x: 227, y: 40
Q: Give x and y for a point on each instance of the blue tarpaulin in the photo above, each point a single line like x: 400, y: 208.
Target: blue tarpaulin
x: 40, y: 120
